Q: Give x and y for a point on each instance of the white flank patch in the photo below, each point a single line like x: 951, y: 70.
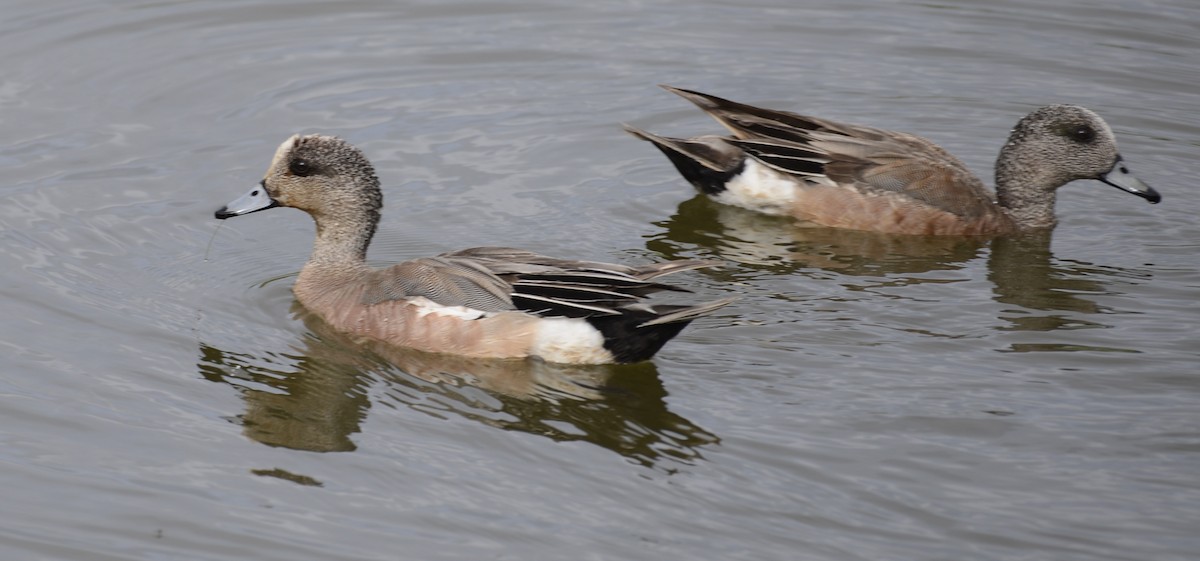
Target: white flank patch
x: 426, y: 306
x: 570, y: 341
x: 760, y: 188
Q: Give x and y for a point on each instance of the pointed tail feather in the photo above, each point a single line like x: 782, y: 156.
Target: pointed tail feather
x: 688, y: 313
x: 704, y: 101
x: 640, y: 333
x: 653, y: 271
x: 713, y: 154
x: 707, y: 162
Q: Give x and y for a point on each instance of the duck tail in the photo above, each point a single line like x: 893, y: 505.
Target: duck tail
x: 655, y: 270
x: 685, y: 314
x: 640, y: 332
x: 707, y: 162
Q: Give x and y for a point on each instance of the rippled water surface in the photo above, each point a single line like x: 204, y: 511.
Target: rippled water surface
x: 868, y: 397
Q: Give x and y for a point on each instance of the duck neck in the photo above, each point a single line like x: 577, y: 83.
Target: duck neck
x: 1027, y: 193
x: 341, y: 246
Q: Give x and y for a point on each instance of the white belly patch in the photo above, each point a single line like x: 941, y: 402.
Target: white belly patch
x: 760, y: 188
x: 570, y: 341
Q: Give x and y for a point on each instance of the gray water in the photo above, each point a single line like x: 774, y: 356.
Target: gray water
x: 867, y: 398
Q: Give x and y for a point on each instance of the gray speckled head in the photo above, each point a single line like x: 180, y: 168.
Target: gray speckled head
x: 318, y: 173
x: 1051, y: 147
x: 329, y: 179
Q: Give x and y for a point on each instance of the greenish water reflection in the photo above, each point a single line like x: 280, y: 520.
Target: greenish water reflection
x: 315, y: 398
x: 1044, y: 292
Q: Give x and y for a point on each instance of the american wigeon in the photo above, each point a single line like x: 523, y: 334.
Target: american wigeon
x: 481, y: 302
x: 862, y: 178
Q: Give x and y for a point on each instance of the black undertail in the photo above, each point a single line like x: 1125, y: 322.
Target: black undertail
x: 629, y: 343
x: 706, y: 180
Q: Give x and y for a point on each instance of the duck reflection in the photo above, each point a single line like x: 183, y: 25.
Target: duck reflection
x: 316, y: 398
x: 784, y: 245
x: 1049, y: 293
x: 1046, y: 293
x: 293, y: 400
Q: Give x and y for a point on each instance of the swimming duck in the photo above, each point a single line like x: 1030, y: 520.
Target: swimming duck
x: 491, y: 302
x: 851, y: 176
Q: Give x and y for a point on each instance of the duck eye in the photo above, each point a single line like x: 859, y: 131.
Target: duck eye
x: 1082, y: 133
x: 300, y: 168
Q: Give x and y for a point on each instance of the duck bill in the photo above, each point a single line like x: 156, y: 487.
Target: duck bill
x: 1120, y: 177
x: 257, y: 199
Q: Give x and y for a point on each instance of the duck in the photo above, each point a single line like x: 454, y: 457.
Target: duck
x: 850, y: 176
x: 483, y: 302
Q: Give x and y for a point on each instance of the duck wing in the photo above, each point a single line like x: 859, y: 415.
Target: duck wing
x: 868, y: 159
x: 494, y: 279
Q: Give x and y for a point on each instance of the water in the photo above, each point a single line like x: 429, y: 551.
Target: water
x: 869, y: 397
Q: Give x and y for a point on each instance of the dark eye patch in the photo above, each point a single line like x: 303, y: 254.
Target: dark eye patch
x: 1081, y: 133
x: 301, y: 167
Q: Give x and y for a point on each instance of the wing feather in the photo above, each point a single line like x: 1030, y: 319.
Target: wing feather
x: 496, y: 279
x: 867, y: 159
